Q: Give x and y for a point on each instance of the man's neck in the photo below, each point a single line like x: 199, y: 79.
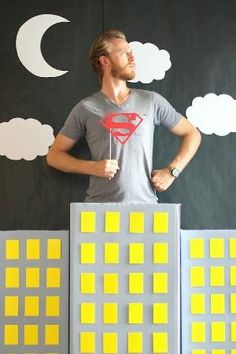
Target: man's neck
x: 116, y: 90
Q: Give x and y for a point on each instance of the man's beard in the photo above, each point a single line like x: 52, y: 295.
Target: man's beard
x: 122, y: 73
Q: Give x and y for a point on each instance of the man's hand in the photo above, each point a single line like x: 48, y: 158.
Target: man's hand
x: 106, y: 168
x: 162, y: 179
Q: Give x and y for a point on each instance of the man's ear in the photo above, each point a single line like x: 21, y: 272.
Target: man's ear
x: 104, y: 61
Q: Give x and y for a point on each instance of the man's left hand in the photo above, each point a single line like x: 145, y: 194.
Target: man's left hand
x: 162, y: 179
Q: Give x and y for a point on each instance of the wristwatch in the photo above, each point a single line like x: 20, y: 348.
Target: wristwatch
x: 175, y: 172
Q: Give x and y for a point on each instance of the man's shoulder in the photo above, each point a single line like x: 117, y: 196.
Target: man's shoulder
x: 86, y: 102
x: 141, y: 92
x: 147, y: 94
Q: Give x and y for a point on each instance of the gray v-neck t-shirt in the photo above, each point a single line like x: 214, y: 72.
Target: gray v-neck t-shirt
x: 124, y: 133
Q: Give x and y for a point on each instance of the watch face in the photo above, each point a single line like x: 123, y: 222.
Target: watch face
x: 175, y: 172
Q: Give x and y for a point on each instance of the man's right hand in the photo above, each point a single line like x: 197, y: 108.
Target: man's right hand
x: 106, y: 168
x: 58, y: 157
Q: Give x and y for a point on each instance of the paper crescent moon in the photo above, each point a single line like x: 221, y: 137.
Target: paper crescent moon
x: 28, y: 45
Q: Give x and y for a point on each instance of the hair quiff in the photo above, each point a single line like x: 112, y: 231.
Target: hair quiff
x: 101, y: 47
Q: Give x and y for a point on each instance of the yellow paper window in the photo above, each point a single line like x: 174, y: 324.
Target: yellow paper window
x: 112, y: 221
x: 12, y: 249
x: 136, y: 253
x: 54, y: 249
x: 197, y: 248
x: 12, y: 277
x: 136, y: 283
x: 198, y: 332
x: 110, y: 343
x: 135, y: 342
x: 160, y: 342
x: 88, y: 221
x: 136, y: 222
x: 33, y: 249
x: 160, y: 222
x: 87, y: 342
x: 31, y: 305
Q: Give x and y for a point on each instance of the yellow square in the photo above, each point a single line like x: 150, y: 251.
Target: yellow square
x: 110, y: 283
x: 198, y: 332
x: 54, y: 248
x: 160, y: 222
x: 52, y: 334
x: 136, y: 253
x: 11, y: 334
x: 217, y: 276
x: 218, y: 331
x: 135, y: 313
x: 197, y: 276
x: 233, y: 275
x: 160, y: 342
x: 12, y: 249
x: 198, y: 351
x: 136, y: 223
x: 160, y: 283
x: 136, y: 283
x: 53, y: 278
x: 111, y: 253
x: 12, y: 277
x: 233, y: 331
x: 217, y: 248
x: 87, y: 283
x: 88, y: 221
x: 31, y: 306
x: 160, y: 313
x: 160, y: 253
x: 33, y: 249
x: 232, y: 248
x: 110, y: 343
x: 52, y: 306
x: 218, y: 351
x: 31, y: 335
x: 233, y: 303
x: 135, y: 342
x: 110, y: 313
x: 11, y: 306
x: 87, y: 312
x: 197, y: 248
x: 217, y: 303
x: 32, y: 277
x: 112, y: 221
x: 87, y: 253
x: 87, y: 342
x: 233, y: 351
x: 197, y: 304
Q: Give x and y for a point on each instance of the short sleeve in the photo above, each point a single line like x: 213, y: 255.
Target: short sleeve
x: 165, y: 113
x: 74, y: 126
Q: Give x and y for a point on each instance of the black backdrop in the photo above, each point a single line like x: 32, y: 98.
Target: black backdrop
x: 199, y: 35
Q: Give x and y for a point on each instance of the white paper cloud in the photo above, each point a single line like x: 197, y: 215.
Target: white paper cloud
x: 151, y: 62
x: 25, y: 139
x: 213, y: 114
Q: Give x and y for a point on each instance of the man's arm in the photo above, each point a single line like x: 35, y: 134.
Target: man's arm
x: 59, y: 158
x: 191, y: 138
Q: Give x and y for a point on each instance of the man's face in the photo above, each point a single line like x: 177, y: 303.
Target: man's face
x: 122, y: 60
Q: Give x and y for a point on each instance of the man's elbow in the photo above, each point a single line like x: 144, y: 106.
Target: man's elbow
x: 50, y: 158
x: 198, y: 136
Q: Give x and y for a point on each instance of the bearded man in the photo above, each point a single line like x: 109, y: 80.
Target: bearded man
x: 118, y: 123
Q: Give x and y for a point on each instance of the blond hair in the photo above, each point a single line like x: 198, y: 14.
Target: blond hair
x: 101, y: 47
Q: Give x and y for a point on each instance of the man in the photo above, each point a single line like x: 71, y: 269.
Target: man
x: 118, y: 124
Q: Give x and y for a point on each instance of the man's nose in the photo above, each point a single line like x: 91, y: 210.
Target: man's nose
x: 130, y: 56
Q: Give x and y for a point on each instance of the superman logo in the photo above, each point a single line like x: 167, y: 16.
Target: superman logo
x: 121, y: 125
